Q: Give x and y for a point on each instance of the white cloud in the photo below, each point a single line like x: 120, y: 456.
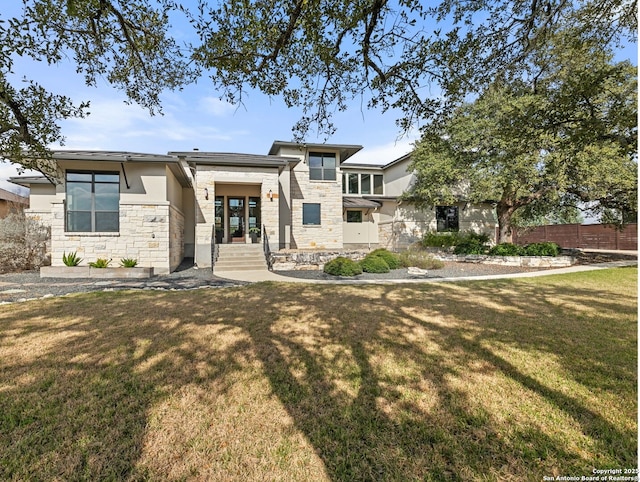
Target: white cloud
x: 217, y: 107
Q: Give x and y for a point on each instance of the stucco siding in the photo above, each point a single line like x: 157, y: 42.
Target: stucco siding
x: 397, y: 180
x: 364, y: 234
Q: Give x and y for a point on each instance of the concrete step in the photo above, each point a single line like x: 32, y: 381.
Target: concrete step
x: 230, y: 264
x: 217, y: 269
x: 240, y: 257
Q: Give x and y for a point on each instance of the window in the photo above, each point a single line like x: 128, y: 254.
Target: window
x: 365, y: 183
x: 322, y: 166
x: 354, y: 216
x: 368, y: 184
x: 377, y: 184
x: 352, y: 183
x: 447, y: 218
x: 311, y: 214
x: 93, y: 200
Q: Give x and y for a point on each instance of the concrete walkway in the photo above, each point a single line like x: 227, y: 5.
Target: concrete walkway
x: 264, y: 275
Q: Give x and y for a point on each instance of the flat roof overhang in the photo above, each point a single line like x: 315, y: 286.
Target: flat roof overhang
x: 109, y: 156
x: 235, y: 159
x: 345, y: 150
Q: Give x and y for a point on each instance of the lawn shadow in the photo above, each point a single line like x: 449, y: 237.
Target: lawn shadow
x: 372, y: 376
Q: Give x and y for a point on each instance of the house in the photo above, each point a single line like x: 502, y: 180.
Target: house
x: 161, y: 209
x: 11, y: 202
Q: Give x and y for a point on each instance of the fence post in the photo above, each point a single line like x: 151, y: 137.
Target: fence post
x: 578, y: 236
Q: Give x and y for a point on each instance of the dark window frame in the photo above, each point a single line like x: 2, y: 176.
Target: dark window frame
x: 354, y: 216
x: 309, y: 216
x: 325, y: 172
x: 447, y: 219
x: 92, y: 210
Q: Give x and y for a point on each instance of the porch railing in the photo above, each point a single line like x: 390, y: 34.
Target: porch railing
x: 265, y: 248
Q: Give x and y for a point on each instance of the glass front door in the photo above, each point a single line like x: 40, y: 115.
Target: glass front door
x: 236, y: 219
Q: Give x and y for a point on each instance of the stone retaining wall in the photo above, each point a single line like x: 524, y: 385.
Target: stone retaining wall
x: 524, y: 261
x: 310, y: 260
x: 315, y: 260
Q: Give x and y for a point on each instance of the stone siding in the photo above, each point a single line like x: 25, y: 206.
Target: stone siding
x: 326, y: 193
x: 310, y: 260
x: 176, y: 237
x: 143, y: 235
x: 207, y: 177
x: 408, y: 224
x: 523, y: 261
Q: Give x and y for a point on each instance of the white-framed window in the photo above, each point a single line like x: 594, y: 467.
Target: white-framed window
x: 92, y: 201
x: 311, y: 214
x: 362, y: 183
x: 322, y: 166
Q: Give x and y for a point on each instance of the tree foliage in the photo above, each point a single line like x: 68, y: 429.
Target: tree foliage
x: 420, y: 58
x: 126, y: 42
x: 562, y: 138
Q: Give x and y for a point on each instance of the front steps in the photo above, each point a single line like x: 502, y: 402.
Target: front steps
x: 240, y: 257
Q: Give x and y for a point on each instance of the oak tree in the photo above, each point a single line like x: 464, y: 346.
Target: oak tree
x: 565, y: 136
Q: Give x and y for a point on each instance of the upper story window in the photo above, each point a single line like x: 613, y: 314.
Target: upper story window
x: 360, y: 183
x: 92, y: 201
x: 322, y: 166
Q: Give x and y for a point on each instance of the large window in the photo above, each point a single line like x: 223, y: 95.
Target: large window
x: 322, y: 166
x: 311, y: 214
x: 354, y: 183
x: 447, y: 218
x: 93, y: 200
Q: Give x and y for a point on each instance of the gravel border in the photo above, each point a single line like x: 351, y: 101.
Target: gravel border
x: 27, y: 285
x: 451, y: 269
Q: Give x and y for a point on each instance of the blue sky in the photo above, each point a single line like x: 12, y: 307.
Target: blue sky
x: 196, y: 118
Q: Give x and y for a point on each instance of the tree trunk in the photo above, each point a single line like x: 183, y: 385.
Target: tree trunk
x: 504, y: 213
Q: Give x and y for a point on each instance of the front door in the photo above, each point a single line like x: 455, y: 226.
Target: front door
x: 236, y: 220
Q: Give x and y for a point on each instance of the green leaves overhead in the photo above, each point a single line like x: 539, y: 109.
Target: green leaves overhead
x: 419, y: 59
x: 125, y: 42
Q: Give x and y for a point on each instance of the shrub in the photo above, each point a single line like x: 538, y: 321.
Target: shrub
x: 374, y: 264
x: 128, y: 262
x: 542, y: 249
x: 419, y: 259
x: 443, y: 240
x: 506, y: 249
x: 440, y: 240
x: 473, y: 237
x: 71, y: 259
x: 100, y: 263
x: 470, y: 247
x: 390, y: 258
x: 342, y: 266
x: 23, y: 243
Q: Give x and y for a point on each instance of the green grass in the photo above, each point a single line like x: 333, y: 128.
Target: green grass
x: 488, y: 380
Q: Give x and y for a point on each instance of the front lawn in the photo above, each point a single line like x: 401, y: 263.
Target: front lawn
x: 486, y: 380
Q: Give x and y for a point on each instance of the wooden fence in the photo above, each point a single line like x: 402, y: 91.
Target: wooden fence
x: 593, y: 236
